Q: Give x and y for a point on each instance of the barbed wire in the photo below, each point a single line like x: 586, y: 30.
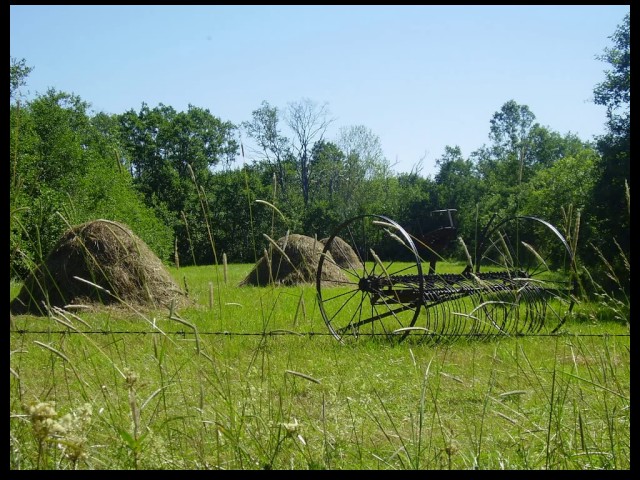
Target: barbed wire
x: 185, y: 333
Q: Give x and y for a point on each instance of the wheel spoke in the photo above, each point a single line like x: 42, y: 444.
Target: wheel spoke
x: 523, y: 283
x: 382, y: 253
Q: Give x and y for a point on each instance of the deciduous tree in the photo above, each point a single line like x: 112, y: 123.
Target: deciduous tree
x: 608, y: 211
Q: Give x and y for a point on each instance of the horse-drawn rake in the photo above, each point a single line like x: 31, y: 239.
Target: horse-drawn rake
x: 518, y: 281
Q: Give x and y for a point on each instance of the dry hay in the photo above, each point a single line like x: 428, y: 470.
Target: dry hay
x: 103, y: 253
x: 293, y: 260
x: 342, y: 253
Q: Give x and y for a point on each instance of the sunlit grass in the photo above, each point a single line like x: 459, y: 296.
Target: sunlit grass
x: 261, y: 384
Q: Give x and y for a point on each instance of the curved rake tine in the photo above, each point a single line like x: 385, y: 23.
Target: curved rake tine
x: 412, y: 329
x: 491, y: 320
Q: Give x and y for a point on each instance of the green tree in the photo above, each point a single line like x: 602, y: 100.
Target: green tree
x: 608, y: 212
x: 326, y: 208
x: 361, y: 141
x: 458, y: 187
x: 615, y: 91
x: 50, y: 156
x: 564, y: 186
x: 239, y: 222
x: 273, y: 148
x: 272, y: 155
x: 369, y: 185
x: 18, y: 73
x: 328, y: 165
x: 417, y: 199
x: 520, y: 149
x: 510, y: 153
x: 66, y: 170
x: 171, y: 155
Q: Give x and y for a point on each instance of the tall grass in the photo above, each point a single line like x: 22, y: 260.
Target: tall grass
x: 263, y: 385
x: 250, y: 378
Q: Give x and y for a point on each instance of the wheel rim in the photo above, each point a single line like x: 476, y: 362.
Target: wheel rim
x: 381, y: 289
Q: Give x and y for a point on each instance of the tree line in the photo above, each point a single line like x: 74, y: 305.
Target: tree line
x: 171, y: 175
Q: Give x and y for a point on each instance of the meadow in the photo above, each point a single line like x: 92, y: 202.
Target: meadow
x: 251, y: 378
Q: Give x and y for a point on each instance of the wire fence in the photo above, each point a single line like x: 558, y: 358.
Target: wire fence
x: 185, y: 333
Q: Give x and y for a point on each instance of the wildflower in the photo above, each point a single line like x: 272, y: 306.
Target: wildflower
x: 43, y: 418
x: 67, y: 431
x: 131, y: 377
x: 293, y: 430
x: 73, y: 443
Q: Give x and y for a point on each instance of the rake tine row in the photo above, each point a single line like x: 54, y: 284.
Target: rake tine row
x: 519, y: 282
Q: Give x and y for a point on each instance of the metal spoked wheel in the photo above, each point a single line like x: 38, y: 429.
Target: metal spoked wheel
x: 540, y: 263
x: 369, y: 280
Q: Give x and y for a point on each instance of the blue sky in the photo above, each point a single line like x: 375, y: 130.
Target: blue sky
x: 419, y: 77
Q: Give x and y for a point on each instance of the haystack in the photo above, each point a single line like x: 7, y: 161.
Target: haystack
x: 98, y: 263
x: 342, y: 253
x: 293, y: 261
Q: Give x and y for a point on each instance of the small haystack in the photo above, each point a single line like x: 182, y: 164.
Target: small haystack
x: 342, y: 253
x: 103, y: 253
x: 294, y: 261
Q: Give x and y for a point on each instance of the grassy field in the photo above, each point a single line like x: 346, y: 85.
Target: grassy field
x: 251, y: 378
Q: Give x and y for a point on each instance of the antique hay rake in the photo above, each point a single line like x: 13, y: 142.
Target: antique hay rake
x: 519, y: 281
